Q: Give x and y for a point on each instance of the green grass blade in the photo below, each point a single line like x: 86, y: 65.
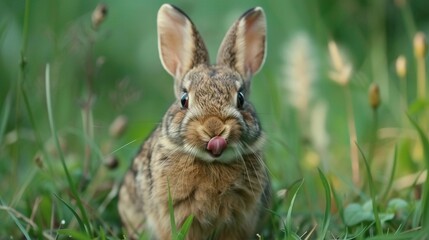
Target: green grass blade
x: 338, y: 203
x: 5, y: 115
x: 392, y: 174
x: 21, y: 228
x: 25, y: 27
x: 61, y: 154
x: 171, y: 210
x: 293, y: 191
x: 402, y: 236
x: 73, y: 234
x: 372, y: 193
x: 35, y: 130
x: 21, y: 79
x: 177, y: 234
x: 417, y: 211
x: 425, y: 198
x: 185, y: 228
x: 327, y: 217
x: 76, y: 215
x: 102, y: 234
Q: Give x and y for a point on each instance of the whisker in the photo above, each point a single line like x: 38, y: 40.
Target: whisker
x: 259, y: 157
x: 264, y: 166
x: 123, y: 146
x: 240, y: 157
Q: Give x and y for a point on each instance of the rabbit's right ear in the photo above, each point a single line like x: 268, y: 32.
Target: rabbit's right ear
x: 244, y: 45
x: 180, y: 45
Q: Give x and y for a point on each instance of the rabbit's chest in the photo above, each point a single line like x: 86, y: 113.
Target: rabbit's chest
x: 214, y: 193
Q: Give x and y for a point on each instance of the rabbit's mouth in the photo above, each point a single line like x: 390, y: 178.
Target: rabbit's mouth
x: 216, y: 146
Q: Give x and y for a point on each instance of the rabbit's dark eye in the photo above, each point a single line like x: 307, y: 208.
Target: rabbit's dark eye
x: 240, y: 99
x: 184, y: 100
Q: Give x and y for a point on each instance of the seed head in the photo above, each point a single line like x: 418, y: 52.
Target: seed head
x: 300, y: 71
x: 341, y: 70
x: 118, y: 126
x: 420, y: 45
x: 111, y: 162
x: 39, y: 161
x: 374, y: 96
x: 401, y: 66
x: 99, y: 15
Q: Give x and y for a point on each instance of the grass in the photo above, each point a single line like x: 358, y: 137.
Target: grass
x: 327, y: 214
x: 425, y: 197
x: 66, y: 82
x: 84, y: 220
x: 177, y: 234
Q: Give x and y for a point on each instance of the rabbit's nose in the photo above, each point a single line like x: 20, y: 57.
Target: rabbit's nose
x: 216, y: 145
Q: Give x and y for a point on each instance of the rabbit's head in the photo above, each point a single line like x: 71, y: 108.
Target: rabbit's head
x: 212, y: 118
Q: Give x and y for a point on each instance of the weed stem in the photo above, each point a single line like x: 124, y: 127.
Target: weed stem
x: 352, y: 137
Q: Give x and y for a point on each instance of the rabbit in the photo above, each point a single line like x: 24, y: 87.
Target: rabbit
x: 207, y: 153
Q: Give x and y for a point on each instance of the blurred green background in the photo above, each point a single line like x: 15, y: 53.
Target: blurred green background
x: 118, y: 65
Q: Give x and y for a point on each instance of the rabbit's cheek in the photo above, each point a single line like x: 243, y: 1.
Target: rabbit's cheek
x: 248, y: 118
x: 193, y: 135
x: 251, y: 122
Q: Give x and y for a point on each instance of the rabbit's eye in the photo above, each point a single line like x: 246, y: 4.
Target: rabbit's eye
x: 184, y: 100
x: 240, y: 99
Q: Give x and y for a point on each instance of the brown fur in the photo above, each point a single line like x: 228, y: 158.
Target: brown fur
x: 226, y: 194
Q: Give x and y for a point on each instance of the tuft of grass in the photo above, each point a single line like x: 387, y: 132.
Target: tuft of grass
x: 327, y: 215
x: 74, y: 234
x: 5, y: 115
x: 177, y: 234
x: 392, y: 175
x: 183, y: 232
x: 78, y: 218
x: 425, y: 191
x: 85, y: 219
x: 292, y: 194
x: 372, y: 192
x: 17, y: 222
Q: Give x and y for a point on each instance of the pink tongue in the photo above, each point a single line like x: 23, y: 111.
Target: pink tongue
x: 216, y: 145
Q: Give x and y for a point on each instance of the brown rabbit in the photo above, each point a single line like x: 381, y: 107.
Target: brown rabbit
x: 208, y: 148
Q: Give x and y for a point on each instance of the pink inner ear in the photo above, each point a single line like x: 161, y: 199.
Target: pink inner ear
x: 254, y: 35
x: 180, y: 45
x: 173, y: 33
x: 243, y: 47
x: 216, y: 145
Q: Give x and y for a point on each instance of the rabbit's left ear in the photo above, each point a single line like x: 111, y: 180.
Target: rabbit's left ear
x: 180, y: 45
x: 244, y: 45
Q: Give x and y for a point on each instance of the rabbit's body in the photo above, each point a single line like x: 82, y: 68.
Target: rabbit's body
x: 208, y: 148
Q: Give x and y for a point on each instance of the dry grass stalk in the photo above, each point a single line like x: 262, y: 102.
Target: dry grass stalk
x: 25, y: 219
x: 300, y: 74
x: 341, y: 74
